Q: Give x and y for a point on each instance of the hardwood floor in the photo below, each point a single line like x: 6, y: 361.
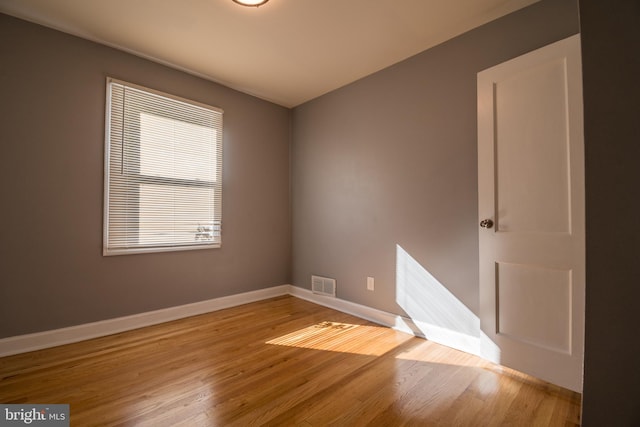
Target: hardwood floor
x: 282, y: 361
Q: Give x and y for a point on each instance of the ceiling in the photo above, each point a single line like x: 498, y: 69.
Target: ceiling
x: 286, y: 51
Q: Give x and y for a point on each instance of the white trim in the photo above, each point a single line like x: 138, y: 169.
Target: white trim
x: 447, y: 337
x: 36, y: 341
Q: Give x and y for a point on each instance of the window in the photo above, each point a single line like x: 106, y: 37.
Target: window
x: 163, y: 170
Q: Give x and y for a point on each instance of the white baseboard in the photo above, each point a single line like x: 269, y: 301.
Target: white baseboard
x: 56, y: 337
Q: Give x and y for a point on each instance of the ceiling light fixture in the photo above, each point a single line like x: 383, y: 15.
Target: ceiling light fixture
x: 251, y: 3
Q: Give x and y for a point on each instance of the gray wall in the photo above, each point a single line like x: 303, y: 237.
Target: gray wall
x: 52, y: 272
x: 611, y: 68
x: 392, y: 160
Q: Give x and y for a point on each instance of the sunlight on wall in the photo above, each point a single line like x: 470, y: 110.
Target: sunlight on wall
x: 435, y: 311
x: 425, y: 299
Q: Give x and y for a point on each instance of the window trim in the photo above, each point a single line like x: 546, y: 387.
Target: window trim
x: 106, y: 251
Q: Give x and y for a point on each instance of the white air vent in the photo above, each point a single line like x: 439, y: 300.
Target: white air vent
x: 323, y: 286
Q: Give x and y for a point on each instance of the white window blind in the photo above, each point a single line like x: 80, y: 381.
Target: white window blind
x: 163, y: 170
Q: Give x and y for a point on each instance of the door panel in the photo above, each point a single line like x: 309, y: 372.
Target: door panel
x: 534, y: 305
x: 532, y: 164
x: 531, y: 185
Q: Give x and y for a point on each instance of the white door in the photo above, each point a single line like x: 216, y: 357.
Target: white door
x: 531, y: 194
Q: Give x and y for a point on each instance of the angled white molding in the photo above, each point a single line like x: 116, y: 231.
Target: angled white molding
x: 56, y: 337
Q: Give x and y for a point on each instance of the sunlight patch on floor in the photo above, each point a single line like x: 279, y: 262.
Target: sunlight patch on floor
x: 430, y: 352
x: 344, y: 337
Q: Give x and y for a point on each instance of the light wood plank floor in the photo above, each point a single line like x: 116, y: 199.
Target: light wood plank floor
x: 282, y: 361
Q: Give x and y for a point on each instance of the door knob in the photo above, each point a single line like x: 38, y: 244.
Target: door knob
x: 486, y: 223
